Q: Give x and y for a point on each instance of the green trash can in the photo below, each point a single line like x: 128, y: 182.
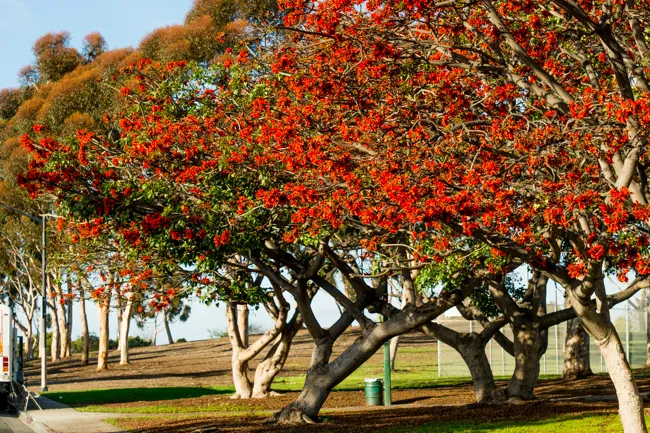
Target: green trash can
x: 374, y: 392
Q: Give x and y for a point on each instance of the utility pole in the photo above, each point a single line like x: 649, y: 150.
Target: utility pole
x: 42, y: 328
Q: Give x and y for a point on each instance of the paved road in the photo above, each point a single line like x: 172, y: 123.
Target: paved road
x: 9, y: 423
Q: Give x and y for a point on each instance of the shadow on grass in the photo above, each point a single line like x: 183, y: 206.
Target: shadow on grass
x: 128, y: 395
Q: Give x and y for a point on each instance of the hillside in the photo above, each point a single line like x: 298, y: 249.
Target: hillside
x: 195, y: 363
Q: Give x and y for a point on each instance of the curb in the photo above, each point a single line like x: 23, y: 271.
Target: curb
x: 30, y: 422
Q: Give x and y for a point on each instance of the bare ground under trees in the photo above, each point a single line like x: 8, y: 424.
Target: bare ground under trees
x: 207, y: 363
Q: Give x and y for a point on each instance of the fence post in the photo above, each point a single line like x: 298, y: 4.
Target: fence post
x: 503, y: 363
x: 439, y: 349
x: 491, y: 354
x: 557, y: 339
x: 627, y: 333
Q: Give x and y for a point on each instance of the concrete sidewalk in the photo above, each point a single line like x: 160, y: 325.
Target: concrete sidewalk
x: 59, y: 418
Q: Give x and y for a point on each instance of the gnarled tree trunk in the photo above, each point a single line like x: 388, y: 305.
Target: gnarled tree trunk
x: 528, y: 348
x: 576, y: 352
x: 273, y: 362
x: 471, y: 347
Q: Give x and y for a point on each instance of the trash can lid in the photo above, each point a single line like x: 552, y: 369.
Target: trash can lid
x: 374, y: 379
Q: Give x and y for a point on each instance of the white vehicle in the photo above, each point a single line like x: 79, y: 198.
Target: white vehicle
x: 8, y: 354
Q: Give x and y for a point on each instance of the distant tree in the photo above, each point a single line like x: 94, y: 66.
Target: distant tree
x: 54, y: 56
x: 10, y: 100
x: 28, y: 76
x: 92, y: 46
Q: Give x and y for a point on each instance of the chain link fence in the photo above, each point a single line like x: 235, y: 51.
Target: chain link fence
x: 631, y: 325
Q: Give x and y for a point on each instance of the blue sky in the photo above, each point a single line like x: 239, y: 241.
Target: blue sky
x: 122, y: 23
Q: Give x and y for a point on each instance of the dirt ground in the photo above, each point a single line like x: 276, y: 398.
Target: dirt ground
x: 372, y: 420
x: 206, y: 363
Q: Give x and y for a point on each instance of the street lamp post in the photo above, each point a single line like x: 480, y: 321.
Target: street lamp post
x: 42, y: 329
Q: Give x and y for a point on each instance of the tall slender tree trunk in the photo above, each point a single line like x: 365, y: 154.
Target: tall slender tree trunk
x: 54, y: 344
x: 68, y: 303
x: 103, y: 309
x: 155, y: 329
x: 61, y: 316
x: 118, y: 313
x: 170, y: 340
x: 124, y: 332
x: 84, y: 326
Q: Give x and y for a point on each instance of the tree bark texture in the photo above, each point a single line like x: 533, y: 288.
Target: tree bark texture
x: 103, y: 310
x: 84, y: 327
x: 124, y: 332
x: 576, y: 352
x: 599, y: 326
x: 170, y: 339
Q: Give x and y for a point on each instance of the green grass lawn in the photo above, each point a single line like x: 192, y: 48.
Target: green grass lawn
x: 609, y: 423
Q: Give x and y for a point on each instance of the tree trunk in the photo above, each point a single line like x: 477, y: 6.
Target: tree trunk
x: 629, y: 401
x: 318, y: 385
x: 243, y: 386
x: 84, y: 326
x: 119, y: 313
x: 528, y: 348
x: 394, y: 343
x: 242, y: 323
x: 472, y: 349
x: 54, y: 344
x: 576, y: 352
x: 167, y: 329
x: 61, y: 316
x: 103, y: 309
x: 124, y: 332
x: 68, y: 303
x: 273, y: 362
x: 155, y: 329
x: 599, y: 326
